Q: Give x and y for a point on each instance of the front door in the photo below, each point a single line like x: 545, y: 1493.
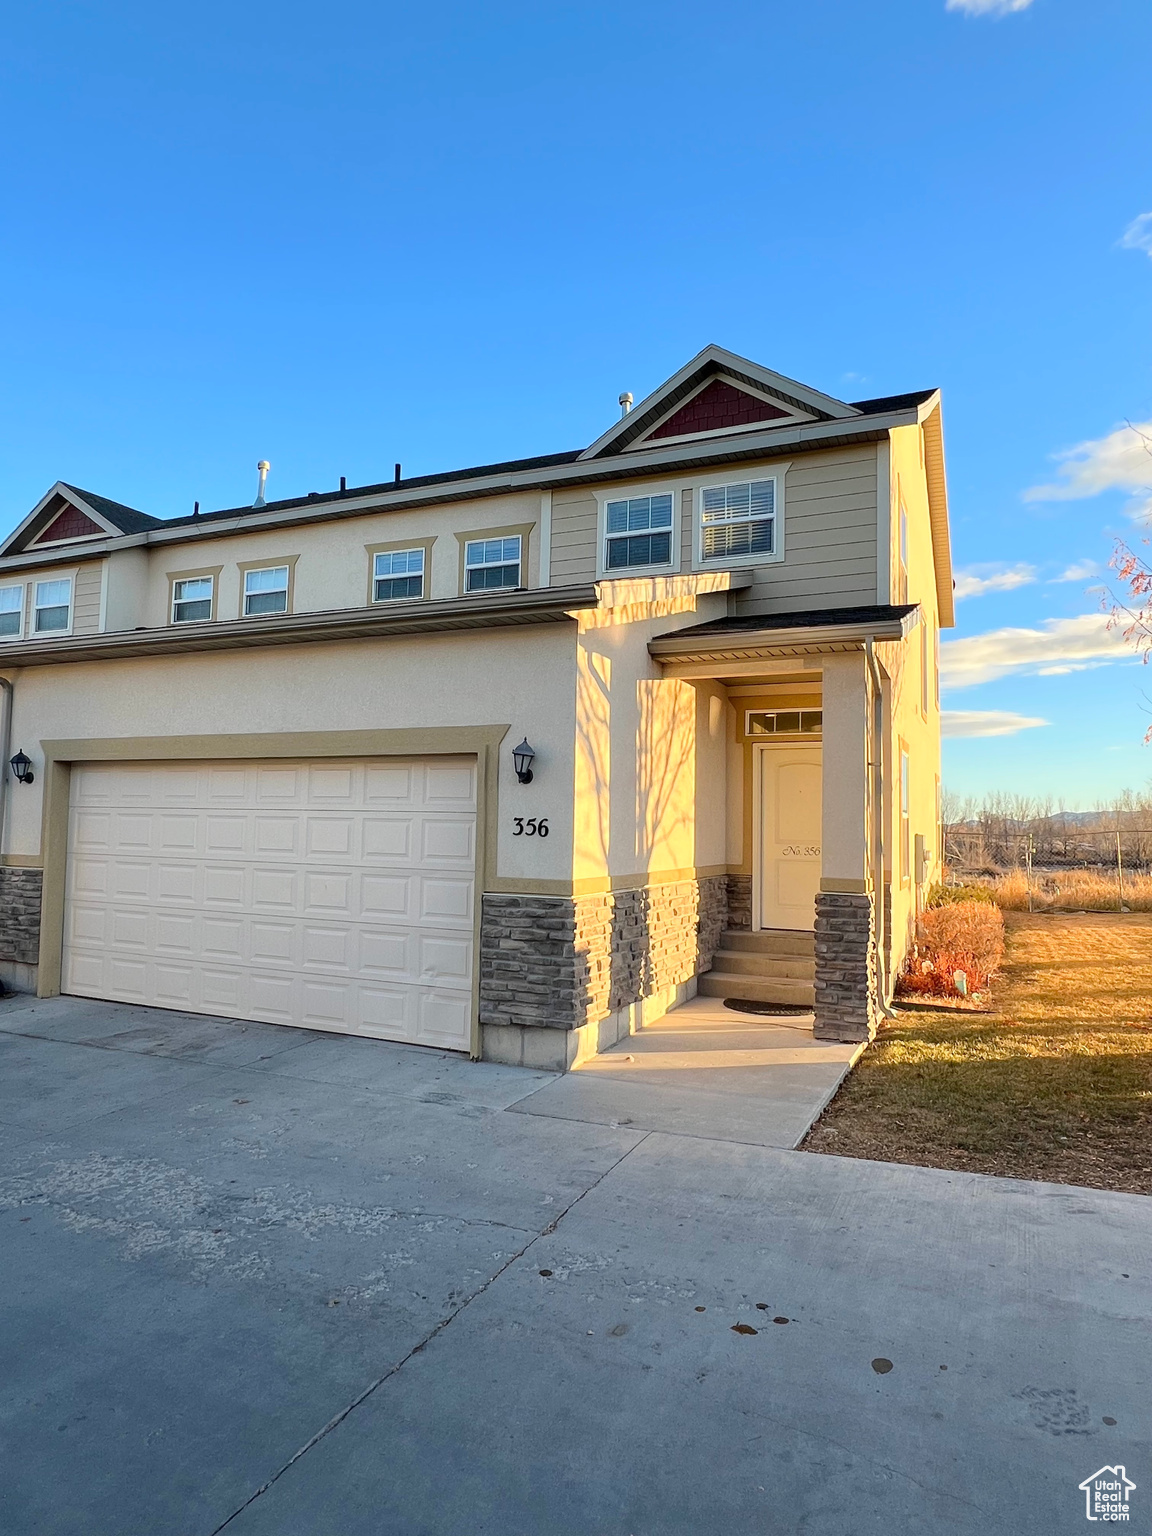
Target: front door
x: 788, y: 836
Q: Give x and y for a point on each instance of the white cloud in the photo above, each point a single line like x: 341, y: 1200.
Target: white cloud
x: 988, y: 7
x: 1138, y: 235
x: 1059, y: 645
x: 973, y: 584
x: 1120, y: 461
x: 1081, y: 570
x: 986, y: 722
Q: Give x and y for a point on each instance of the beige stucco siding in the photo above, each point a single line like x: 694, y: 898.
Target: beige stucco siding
x: 522, y: 678
x: 332, y: 561
x: 912, y: 667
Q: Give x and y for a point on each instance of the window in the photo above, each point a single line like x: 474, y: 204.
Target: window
x: 192, y: 599
x: 397, y: 573
x: 936, y: 663
x: 266, y: 591
x: 905, y: 819
x: 783, y: 722
x: 490, y: 564
x: 53, y: 609
x: 902, y: 594
x: 11, y: 611
x: 639, y: 532
x: 738, y: 520
x: 924, y: 665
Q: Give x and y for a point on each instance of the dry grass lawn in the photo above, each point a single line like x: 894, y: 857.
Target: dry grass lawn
x: 1055, y: 1083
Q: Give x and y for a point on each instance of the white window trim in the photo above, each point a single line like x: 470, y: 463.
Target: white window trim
x: 22, y: 611
x: 255, y: 570
x: 175, y: 582
x: 51, y: 634
x: 424, y: 574
x: 631, y: 491
x: 738, y: 476
x: 490, y: 565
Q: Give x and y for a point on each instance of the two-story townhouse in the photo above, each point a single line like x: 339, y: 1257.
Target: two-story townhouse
x: 508, y: 760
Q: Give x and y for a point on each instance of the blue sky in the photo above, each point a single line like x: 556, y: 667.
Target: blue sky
x: 337, y: 236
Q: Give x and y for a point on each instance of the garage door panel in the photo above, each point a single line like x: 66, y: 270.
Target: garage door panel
x: 445, y: 901
x: 333, y: 896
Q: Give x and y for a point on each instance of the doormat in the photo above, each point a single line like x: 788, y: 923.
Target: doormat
x: 779, y: 1010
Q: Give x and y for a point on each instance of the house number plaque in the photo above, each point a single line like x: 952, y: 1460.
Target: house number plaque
x: 800, y: 851
x: 533, y: 827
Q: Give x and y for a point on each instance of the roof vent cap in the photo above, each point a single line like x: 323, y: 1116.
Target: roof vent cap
x: 625, y: 403
x: 263, y: 467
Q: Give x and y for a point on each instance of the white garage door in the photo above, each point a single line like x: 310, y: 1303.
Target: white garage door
x: 332, y: 895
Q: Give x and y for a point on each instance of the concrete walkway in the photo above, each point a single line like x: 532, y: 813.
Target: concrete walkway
x: 707, y: 1070
x: 267, y: 1283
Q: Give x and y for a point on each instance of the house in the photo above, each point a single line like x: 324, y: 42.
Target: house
x: 1106, y: 1494
x: 508, y: 760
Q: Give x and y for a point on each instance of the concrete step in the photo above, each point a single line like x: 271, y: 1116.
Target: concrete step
x: 752, y: 962
x: 772, y: 941
x: 759, y: 989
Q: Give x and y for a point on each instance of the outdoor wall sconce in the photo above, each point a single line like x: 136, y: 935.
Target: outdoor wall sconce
x: 523, y: 757
x: 22, y: 768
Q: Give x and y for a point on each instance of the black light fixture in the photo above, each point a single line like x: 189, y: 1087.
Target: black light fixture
x: 523, y: 757
x: 22, y: 768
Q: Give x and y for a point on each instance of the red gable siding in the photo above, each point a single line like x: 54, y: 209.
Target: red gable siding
x: 718, y: 405
x: 70, y: 524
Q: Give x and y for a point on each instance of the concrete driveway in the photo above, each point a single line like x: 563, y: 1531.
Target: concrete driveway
x: 271, y: 1282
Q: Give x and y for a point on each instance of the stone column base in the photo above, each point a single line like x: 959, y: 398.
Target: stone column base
x: 847, y: 1005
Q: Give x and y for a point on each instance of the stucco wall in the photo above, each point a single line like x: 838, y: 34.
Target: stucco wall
x: 522, y: 677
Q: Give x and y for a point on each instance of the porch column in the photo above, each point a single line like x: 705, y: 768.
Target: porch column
x: 846, y: 973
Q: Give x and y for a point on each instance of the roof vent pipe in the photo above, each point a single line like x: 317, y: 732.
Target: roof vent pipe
x: 625, y: 403
x: 263, y: 467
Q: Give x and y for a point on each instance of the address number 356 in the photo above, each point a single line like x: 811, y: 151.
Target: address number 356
x: 530, y: 828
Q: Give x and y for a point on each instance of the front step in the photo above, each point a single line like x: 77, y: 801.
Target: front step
x: 772, y: 941
x: 757, y: 989
x: 746, y: 962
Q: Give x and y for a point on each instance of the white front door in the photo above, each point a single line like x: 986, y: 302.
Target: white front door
x: 330, y: 894
x: 787, y: 873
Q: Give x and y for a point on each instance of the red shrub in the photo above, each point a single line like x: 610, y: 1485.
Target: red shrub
x: 965, y: 936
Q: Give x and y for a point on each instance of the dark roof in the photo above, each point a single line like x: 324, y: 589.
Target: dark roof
x: 884, y: 403
x: 809, y: 618
x: 130, y: 521
x: 127, y: 519
x: 412, y: 482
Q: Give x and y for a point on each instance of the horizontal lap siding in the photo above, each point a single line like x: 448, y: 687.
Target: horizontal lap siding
x: 573, y: 537
x: 86, y: 620
x: 829, y: 538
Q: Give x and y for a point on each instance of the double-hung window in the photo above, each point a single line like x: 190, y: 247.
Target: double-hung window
x: 490, y: 564
x: 638, y: 532
x: 53, y: 606
x: 11, y: 612
x: 738, y: 521
x: 192, y: 599
x: 397, y: 573
x: 266, y: 591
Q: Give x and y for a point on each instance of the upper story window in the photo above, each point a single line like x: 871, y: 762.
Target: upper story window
x: 902, y: 574
x: 11, y: 612
x: 490, y: 564
x: 397, y: 573
x: 53, y: 606
x: 738, y: 520
x: 192, y: 599
x: 266, y: 591
x: 638, y: 532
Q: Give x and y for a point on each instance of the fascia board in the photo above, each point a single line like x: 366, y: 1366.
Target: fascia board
x: 736, y: 644
x: 541, y: 605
